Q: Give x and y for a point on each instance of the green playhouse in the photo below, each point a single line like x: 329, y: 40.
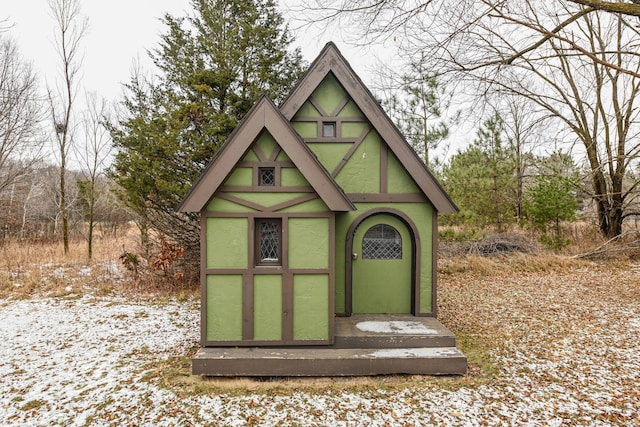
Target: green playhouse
x: 318, y: 240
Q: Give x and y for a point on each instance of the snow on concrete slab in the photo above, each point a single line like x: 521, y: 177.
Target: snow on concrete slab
x: 399, y: 327
x: 399, y: 353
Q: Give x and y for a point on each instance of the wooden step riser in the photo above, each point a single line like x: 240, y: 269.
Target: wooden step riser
x: 328, y: 362
x: 402, y: 341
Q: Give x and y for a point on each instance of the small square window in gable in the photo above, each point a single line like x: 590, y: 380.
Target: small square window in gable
x: 329, y: 129
x: 266, y: 177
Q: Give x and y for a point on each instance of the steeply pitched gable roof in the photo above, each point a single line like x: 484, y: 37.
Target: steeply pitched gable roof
x: 264, y: 115
x: 331, y: 60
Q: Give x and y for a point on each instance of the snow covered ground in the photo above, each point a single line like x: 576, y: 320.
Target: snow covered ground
x: 86, y: 361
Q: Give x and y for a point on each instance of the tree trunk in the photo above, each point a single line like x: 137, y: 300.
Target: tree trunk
x: 63, y: 206
x: 610, y: 218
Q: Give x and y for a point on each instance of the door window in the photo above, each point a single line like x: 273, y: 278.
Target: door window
x: 382, y: 241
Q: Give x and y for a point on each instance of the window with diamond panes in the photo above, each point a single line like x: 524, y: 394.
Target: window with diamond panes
x: 382, y: 241
x: 268, y: 241
x: 267, y: 177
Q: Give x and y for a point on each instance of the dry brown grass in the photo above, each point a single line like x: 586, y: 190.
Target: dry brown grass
x: 41, y: 268
x: 489, y: 302
x: 28, y: 268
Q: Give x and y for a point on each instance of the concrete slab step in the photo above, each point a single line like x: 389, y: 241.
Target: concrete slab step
x: 281, y: 362
x: 391, y: 331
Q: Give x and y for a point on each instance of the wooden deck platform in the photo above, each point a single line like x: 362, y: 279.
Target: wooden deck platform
x: 364, y: 345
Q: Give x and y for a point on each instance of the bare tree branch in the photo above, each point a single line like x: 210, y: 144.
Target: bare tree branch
x: 632, y: 9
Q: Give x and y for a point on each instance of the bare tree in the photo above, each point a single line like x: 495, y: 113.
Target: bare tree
x: 71, y: 27
x: 20, y: 115
x: 523, y: 127
x: 92, y: 156
x: 578, y: 64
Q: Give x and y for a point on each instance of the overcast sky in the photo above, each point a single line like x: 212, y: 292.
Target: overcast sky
x: 121, y: 31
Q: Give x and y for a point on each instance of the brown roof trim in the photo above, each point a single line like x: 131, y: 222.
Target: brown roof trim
x: 331, y: 60
x: 264, y: 115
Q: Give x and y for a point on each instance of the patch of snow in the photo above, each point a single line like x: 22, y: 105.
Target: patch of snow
x: 112, y: 270
x: 64, y: 362
x: 85, y: 271
x: 395, y: 327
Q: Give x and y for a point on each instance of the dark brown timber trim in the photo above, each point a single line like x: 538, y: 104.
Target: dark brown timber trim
x: 434, y: 264
x: 203, y: 279
x: 287, y: 307
x: 259, y: 153
x: 265, y: 215
x: 247, y: 306
x: 260, y: 343
x: 341, y: 105
x: 293, y: 202
x: 267, y: 269
x: 387, y: 197
x: 330, y: 118
x: 332, y: 276
x: 266, y: 163
x: 352, y: 150
x: 240, y: 201
x: 275, y: 153
x: 317, y: 106
x: 261, y: 189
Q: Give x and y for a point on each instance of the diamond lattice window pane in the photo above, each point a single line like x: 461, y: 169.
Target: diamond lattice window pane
x: 382, y: 241
x: 267, y: 177
x: 269, y: 242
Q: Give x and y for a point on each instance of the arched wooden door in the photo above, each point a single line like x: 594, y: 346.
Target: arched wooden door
x: 382, y: 279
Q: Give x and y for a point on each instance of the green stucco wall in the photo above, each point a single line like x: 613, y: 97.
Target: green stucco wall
x: 398, y: 180
x: 309, y: 243
x: 329, y: 153
x: 227, y: 243
x: 267, y: 303
x: 240, y: 176
x: 353, y: 129
x: 224, y: 307
x: 310, y: 307
x: 307, y: 129
x: 266, y: 144
x: 350, y: 110
x: 361, y: 174
x: 291, y: 177
x: 329, y: 94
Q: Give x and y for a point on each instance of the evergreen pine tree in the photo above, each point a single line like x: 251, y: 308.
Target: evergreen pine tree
x: 212, y: 66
